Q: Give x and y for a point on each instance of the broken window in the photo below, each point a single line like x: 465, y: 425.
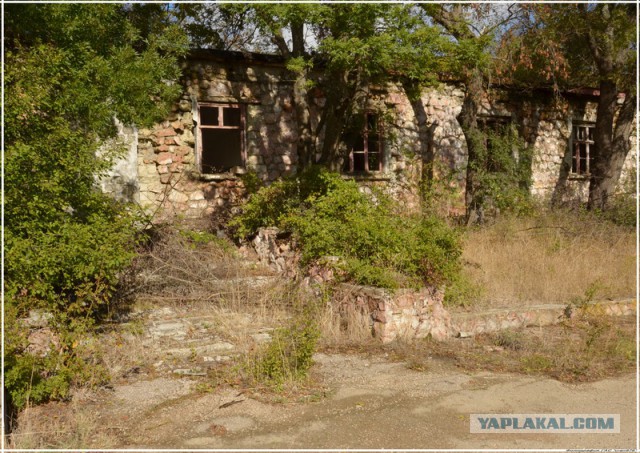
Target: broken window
x: 365, y: 147
x: 583, y: 148
x: 221, y: 137
x: 494, y: 130
x: 495, y: 124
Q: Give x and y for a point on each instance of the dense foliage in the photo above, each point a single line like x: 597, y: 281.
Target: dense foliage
x: 70, y: 70
x: 376, y: 245
x: 503, y: 168
x: 583, y: 45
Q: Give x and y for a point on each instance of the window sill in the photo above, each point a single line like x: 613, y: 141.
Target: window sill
x: 576, y: 177
x: 233, y: 174
x: 378, y: 176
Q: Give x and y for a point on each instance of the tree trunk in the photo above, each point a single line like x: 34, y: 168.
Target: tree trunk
x: 306, y: 144
x: 467, y: 118
x: 612, y: 145
x: 333, y: 126
x: 335, y: 113
x: 425, y: 134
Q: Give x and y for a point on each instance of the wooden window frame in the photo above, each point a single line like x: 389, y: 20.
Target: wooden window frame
x: 575, y: 149
x: 220, y: 106
x: 365, y: 151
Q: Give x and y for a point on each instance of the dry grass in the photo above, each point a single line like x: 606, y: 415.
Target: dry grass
x: 350, y: 328
x: 210, y: 276
x: 60, y: 426
x: 226, y: 296
x: 588, y: 347
x: 184, y: 266
x: 551, y: 258
x: 204, y: 275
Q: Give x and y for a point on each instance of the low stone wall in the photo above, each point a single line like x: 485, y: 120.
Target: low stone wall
x: 470, y: 324
x: 403, y: 314
x: 409, y: 314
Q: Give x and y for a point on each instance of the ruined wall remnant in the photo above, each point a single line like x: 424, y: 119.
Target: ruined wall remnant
x: 276, y: 252
x: 121, y: 181
x: 403, y: 314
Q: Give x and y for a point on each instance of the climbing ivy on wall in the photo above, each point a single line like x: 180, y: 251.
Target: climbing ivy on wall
x: 503, y: 166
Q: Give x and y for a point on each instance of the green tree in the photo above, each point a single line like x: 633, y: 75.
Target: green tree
x: 70, y: 70
x: 474, y: 31
x: 341, y: 49
x: 610, y: 31
x: 586, y: 45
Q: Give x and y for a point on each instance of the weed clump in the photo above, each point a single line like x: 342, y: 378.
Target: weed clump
x: 375, y: 243
x: 288, y: 357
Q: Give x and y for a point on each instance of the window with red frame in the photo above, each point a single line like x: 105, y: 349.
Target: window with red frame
x: 220, y: 137
x: 365, y: 152
x: 583, y: 149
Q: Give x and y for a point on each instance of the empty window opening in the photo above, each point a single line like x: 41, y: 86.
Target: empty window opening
x: 493, y: 127
x: 365, y: 153
x: 221, y: 144
x: 495, y: 124
x: 583, y: 149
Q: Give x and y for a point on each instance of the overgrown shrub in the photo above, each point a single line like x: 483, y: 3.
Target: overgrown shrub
x: 72, y: 271
x: 269, y: 204
x: 330, y: 216
x: 36, y: 378
x: 503, y: 167
x: 67, y: 243
x: 622, y: 210
x: 73, y: 274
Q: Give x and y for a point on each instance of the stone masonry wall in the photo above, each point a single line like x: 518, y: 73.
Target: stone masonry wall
x: 404, y: 314
x: 169, y: 184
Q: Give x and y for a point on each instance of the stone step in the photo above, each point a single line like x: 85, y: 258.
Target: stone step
x: 212, y: 349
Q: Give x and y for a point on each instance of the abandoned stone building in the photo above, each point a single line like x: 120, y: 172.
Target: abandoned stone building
x: 236, y: 115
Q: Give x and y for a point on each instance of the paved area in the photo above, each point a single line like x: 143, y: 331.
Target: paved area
x: 372, y: 403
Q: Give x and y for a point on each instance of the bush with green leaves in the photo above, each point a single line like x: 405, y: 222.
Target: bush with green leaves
x: 503, y: 167
x: 71, y: 69
x: 268, y: 205
x: 622, y: 210
x: 331, y: 216
x: 622, y: 206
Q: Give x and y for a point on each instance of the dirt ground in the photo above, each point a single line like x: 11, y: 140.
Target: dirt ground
x: 370, y: 402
